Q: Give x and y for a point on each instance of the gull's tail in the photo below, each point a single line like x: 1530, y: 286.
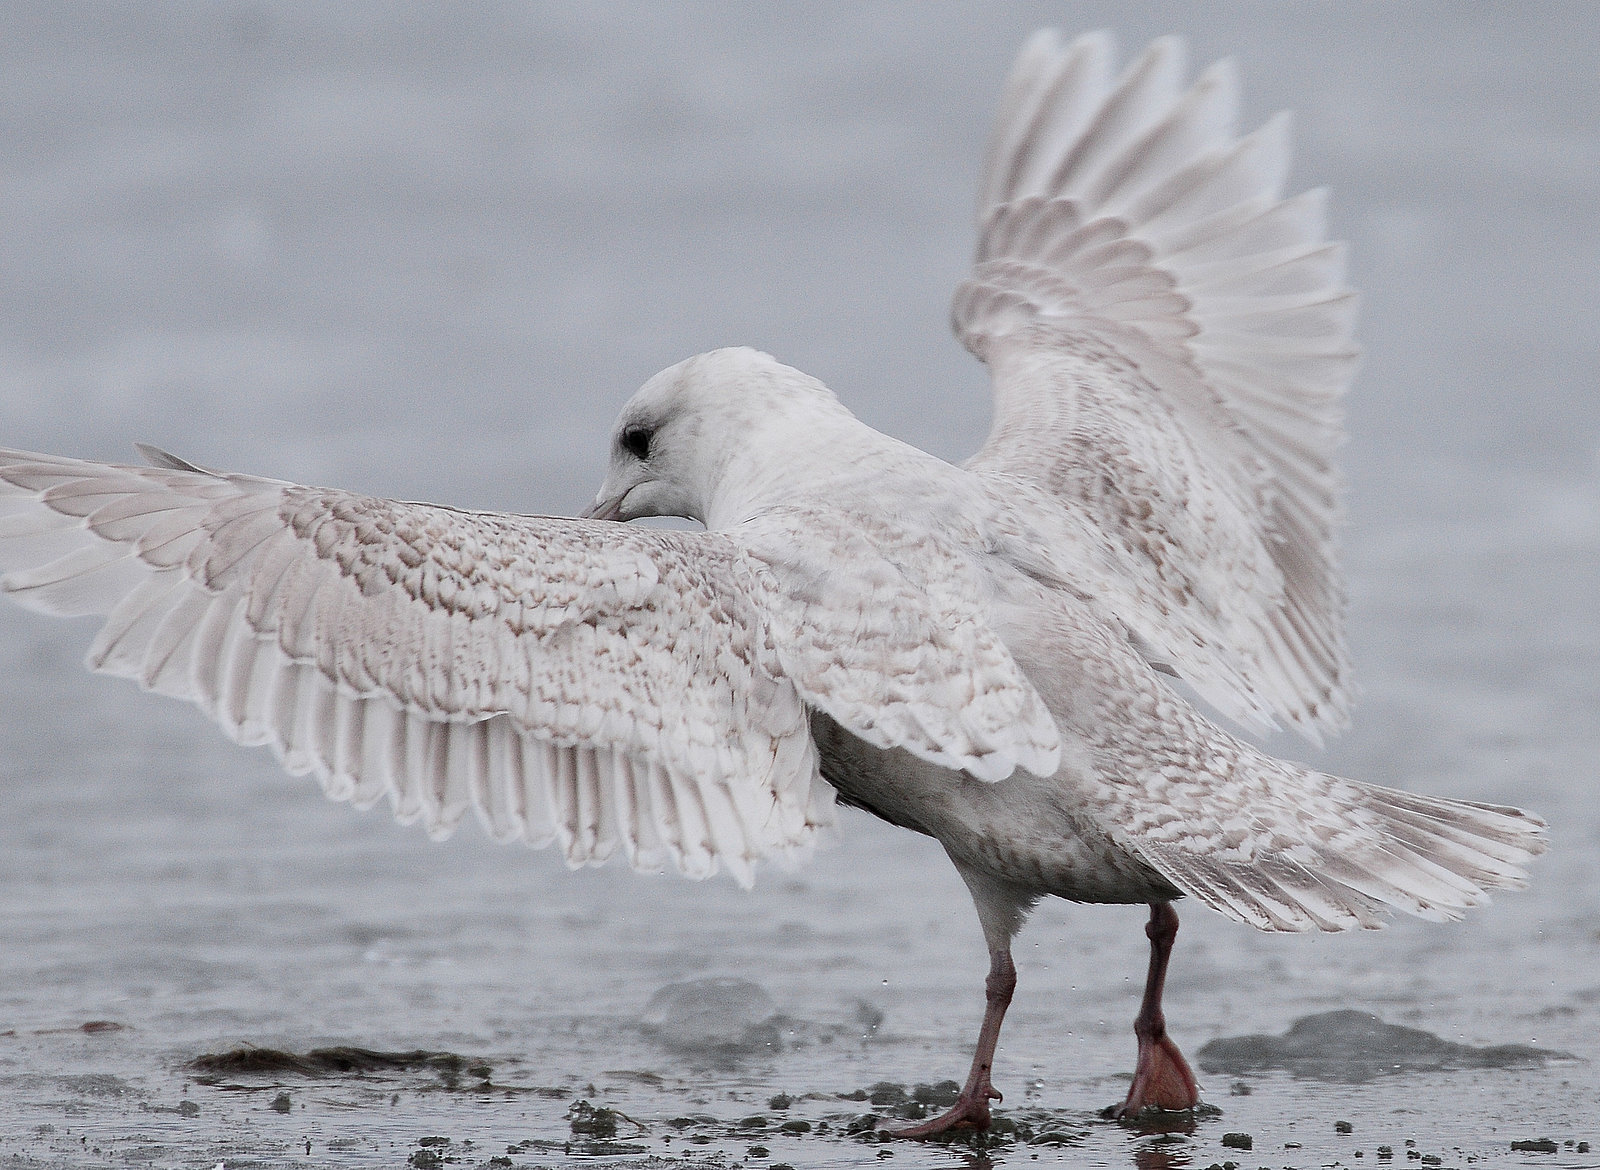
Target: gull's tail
x: 1356, y: 852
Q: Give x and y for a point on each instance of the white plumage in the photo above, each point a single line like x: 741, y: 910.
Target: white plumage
x: 971, y: 652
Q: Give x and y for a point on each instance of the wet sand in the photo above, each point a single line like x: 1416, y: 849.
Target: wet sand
x: 173, y: 903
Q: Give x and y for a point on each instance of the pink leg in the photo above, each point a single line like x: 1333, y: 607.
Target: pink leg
x: 1161, y: 1079
x: 971, y: 1110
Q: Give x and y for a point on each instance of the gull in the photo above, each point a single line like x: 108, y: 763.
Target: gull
x: 979, y: 653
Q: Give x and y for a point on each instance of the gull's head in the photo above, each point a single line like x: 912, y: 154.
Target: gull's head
x: 709, y: 426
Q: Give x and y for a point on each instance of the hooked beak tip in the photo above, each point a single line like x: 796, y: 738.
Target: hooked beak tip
x: 602, y: 510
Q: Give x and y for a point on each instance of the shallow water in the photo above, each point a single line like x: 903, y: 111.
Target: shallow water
x: 267, y: 238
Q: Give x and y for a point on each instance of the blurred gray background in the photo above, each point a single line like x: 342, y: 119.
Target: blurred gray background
x: 428, y: 251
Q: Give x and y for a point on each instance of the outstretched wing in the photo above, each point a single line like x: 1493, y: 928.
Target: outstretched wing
x: 582, y: 682
x: 1169, y: 339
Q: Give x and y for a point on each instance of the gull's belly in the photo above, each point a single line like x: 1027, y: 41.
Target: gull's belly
x: 1027, y: 831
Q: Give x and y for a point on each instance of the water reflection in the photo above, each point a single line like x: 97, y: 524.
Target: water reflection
x: 1168, y: 1123
x: 1160, y: 1157
x: 1165, y: 1136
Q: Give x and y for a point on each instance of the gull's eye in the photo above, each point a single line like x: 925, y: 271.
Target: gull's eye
x: 636, y: 441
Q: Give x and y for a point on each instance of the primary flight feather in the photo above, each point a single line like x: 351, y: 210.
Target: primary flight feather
x: 971, y: 652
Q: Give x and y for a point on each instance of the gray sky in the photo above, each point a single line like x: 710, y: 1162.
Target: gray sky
x: 429, y: 250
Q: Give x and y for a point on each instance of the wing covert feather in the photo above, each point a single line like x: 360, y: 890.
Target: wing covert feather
x: 587, y: 683
x: 881, y: 627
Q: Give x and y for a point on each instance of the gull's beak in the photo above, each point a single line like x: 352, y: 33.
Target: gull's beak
x: 603, y: 509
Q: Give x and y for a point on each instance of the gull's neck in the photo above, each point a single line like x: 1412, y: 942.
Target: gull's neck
x: 829, y: 463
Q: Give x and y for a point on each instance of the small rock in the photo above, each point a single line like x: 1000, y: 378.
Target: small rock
x: 888, y: 1093
x: 941, y: 1093
x: 281, y: 1103
x: 1238, y: 1141
x: 1536, y: 1146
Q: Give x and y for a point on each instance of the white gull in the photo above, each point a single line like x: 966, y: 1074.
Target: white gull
x: 970, y: 652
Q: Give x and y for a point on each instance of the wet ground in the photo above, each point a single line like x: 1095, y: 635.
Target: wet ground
x: 206, y: 963
x: 266, y: 238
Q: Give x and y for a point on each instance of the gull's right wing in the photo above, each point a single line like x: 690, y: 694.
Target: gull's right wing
x: 1168, y: 339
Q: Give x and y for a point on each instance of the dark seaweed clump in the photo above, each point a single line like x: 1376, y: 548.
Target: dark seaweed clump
x: 210, y: 1068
